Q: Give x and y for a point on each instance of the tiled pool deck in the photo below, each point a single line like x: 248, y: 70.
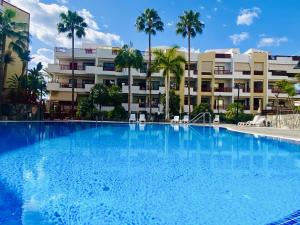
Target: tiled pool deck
x: 266, y: 131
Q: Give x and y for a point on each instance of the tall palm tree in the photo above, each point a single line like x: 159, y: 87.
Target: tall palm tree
x: 149, y: 22
x: 129, y: 57
x: 171, y: 63
x: 188, y: 26
x: 72, y: 24
x: 14, y: 31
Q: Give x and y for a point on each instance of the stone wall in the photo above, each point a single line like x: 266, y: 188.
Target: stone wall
x: 290, y: 121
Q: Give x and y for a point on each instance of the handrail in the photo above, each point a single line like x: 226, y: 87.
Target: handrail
x: 201, y: 115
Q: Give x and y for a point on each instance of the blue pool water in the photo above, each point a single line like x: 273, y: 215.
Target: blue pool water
x: 93, y: 174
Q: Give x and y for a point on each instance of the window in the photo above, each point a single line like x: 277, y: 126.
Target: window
x: 108, y: 66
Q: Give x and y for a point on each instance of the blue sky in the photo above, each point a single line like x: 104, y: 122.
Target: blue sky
x: 270, y: 25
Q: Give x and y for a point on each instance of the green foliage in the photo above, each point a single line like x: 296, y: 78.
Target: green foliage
x: 115, y: 96
x: 201, y: 108
x: 149, y: 22
x: 118, y: 113
x: 99, y: 94
x: 174, y: 103
x: 85, y: 109
x: 232, y: 110
x: 189, y: 24
x: 72, y: 24
x: 170, y: 62
x: 28, y: 89
x: 129, y: 57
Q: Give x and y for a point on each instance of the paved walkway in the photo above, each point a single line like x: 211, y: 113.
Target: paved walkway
x: 266, y: 131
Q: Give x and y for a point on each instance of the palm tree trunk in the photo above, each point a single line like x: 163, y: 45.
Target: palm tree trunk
x: 189, y: 72
x: 129, y: 91
x: 73, y: 76
x: 2, y: 72
x: 150, y: 80
x: 167, y: 116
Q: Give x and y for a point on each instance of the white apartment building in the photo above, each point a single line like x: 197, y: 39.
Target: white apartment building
x: 218, y: 77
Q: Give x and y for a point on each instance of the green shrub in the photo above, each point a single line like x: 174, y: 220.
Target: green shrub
x: 201, y: 108
x: 118, y: 113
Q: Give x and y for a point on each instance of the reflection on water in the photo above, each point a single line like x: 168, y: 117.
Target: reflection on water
x: 88, y: 173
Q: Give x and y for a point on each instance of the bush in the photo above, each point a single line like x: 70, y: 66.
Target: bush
x: 118, y: 113
x: 201, y: 108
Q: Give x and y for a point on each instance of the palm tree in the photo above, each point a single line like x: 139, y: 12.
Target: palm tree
x: 23, y: 53
x: 72, y: 24
x: 149, y: 22
x: 129, y: 57
x: 188, y: 26
x: 14, y: 31
x: 8, y: 59
x: 171, y: 63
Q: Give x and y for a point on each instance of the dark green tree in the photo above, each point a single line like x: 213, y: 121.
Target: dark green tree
x: 72, y: 24
x: 149, y: 22
x: 189, y: 26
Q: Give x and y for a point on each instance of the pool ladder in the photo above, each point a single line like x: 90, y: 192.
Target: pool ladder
x: 201, y: 116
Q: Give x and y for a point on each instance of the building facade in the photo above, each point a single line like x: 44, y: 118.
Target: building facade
x: 21, y: 17
x: 218, y: 77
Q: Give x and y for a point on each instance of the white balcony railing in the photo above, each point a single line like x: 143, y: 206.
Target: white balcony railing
x: 135, y: 107
x: 139, y: 90
x: 55, y: 86
x: 192, y: 91
x: 87, y: 53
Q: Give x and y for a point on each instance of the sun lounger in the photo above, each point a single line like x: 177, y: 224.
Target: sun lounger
x: 175, y: 119
x: 216, y: 119
x: 142, y: 118
x: 132, y: 118
x: 186, y: 119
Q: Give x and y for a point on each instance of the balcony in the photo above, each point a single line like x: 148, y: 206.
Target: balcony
x: 273, y: 92
x: 67, y: 69
x: 193, y: 91
x: 224, y: 89
x: 243, y: 92
x: 206, y: 89
x: 223, y: 72
x: 66, y: 87
x: 193, y: 73
x: 258, y: 90
x: 142, y: 90
x: 139, y: 107
x: 259, y: 73
x: 82, y: 53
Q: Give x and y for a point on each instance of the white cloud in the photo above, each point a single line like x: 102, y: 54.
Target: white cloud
x: 271, y: 41
x: 193, y: 50
x: 202, y: 7
x: 237, y: 38
x: 63, y: 1
x: 169, y: 24
x: 215, y: 9
x: 44, y: 19
x: 43, y: 55
x: 208, y: 17
x: 247, y: 16
x: 219, y: 1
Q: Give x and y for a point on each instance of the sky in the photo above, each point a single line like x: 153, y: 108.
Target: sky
x: 270, y: 25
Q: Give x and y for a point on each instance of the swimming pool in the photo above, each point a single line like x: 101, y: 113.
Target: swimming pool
x: 105, y: 173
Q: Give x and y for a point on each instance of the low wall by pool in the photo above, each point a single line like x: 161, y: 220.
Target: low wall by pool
x: 290, y: 121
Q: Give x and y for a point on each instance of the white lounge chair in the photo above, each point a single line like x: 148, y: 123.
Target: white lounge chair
x: 261, y: 122
x: 186, y: 119
x: 254, y: 121
x: 250, y: 122
x: 216, y: 119
x: 175, y: 119
x: 142, y: 118
x: 132, y: 118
